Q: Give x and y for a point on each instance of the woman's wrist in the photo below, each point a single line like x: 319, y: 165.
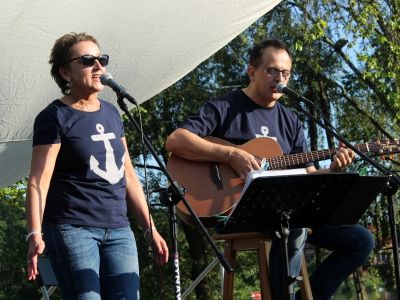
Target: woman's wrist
x: 32, y: 233
x: 147, y: 232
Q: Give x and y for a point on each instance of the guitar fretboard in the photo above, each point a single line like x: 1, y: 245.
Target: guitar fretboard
x: 292, y: 160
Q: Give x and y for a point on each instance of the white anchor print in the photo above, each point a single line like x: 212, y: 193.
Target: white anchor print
x: 112, y: 174
x: 265, y: 131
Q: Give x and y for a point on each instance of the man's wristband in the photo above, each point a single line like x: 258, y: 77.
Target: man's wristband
x: 30, y: 234
x: 147, y: 231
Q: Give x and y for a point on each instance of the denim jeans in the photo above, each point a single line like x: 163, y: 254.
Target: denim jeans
x: 93, y: 263
x: 296, y: 241
x: 350, y: 246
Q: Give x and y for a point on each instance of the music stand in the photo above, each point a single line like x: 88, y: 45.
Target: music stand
x: 312, y: 200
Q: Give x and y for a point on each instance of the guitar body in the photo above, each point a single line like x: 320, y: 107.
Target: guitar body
x: 212, y: 189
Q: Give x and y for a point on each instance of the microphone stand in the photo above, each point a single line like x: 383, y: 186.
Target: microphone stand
x: 176, y: 196
x: 390, y: 190
x: 167, y: 199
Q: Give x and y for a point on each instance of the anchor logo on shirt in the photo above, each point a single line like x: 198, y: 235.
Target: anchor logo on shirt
x: 265, y: 131
x: 112, y: 174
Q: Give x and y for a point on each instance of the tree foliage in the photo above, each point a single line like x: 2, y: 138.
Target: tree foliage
x: 13, y: 283
x: 339, y: 48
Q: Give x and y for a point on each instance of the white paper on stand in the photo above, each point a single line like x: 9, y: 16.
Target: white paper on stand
x: 261, y: 173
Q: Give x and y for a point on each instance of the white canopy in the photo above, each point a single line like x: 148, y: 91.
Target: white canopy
x: 151, y: 44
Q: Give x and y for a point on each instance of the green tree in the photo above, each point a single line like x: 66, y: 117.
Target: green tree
x: 361, y: 38
x: 14, y: 283
x: 337, y: 47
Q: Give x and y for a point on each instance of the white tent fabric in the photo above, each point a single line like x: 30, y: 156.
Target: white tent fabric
x: 151, y: 44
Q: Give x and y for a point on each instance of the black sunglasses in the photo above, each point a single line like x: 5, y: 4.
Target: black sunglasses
x: 89, y: 60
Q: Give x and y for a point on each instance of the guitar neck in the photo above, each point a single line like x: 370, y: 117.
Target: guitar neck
x: 292, y: 160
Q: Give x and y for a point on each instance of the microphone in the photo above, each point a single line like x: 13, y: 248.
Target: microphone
x: 107, y: 79
x: 282, y: 88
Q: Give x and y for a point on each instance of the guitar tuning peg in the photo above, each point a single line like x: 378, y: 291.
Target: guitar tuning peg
x: 385, y: 141
x: 387, y: 156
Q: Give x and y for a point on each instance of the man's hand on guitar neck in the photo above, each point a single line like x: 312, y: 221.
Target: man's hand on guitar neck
x: 341, y: 159
x: 243, y: 162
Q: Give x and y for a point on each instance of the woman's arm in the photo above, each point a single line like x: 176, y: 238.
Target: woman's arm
x: 42, y: 167
x: 138, y: 206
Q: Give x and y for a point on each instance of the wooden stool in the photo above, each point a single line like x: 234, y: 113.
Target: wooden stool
x: 262, y: 244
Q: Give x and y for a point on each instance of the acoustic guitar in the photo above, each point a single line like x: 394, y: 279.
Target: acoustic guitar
x: 212, y: 189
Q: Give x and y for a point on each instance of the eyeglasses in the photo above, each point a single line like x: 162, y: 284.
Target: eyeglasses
x: 275, y: 72
x: 89, y: 60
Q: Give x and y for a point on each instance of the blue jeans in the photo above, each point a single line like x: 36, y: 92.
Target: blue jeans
x: 93, y: 263
x: 296, y: 241
x: 350, y: 246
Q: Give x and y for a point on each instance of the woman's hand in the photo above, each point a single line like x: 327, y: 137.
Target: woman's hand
x: 35, y: 248
x: 161, y: 253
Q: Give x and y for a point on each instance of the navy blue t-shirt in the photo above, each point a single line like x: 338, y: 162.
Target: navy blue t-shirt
x: 88, y: 183
x: 236, y: 118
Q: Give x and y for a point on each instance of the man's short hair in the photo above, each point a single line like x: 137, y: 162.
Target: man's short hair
x: 257, y: 51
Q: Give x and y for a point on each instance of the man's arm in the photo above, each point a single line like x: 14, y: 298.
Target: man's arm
x: 188, y: 145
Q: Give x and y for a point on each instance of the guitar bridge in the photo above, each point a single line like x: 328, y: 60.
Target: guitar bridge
x: 215, y: 176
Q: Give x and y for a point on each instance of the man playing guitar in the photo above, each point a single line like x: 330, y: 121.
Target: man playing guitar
x: 242, y: 115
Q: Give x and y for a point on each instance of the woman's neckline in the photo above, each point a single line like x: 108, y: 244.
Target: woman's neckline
x: 82, y: 106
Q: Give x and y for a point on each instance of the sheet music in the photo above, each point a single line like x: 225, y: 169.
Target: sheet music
x: 262, y: 173
x: 266, y: 173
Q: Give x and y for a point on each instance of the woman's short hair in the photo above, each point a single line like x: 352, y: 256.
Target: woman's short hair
x: 61, y: 53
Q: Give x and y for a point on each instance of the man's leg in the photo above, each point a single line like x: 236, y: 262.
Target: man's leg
x: 350, y: 246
